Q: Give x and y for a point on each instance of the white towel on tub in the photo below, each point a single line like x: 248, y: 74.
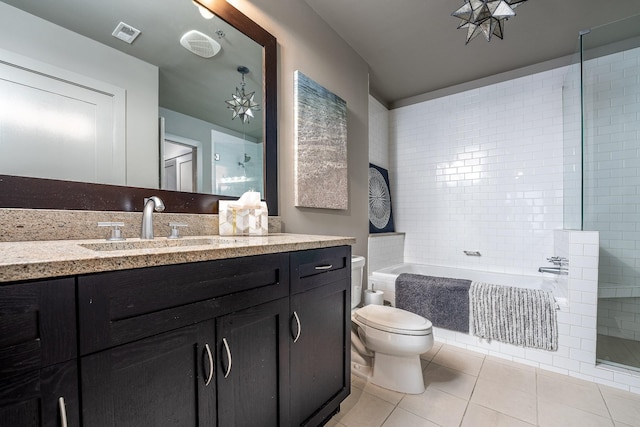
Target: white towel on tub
x: 519, y: 316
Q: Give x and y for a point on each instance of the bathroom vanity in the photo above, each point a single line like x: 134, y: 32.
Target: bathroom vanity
x: 252, y: 331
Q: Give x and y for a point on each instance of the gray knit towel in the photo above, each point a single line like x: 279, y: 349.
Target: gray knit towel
x: 443, y: 301
x: 519, y: 316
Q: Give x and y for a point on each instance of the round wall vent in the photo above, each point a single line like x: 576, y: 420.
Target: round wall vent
x: 200, y: 44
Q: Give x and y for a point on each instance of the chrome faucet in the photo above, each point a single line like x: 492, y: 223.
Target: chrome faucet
x: 150, y: 204
x: 562, y: 271
x: 560, y: 268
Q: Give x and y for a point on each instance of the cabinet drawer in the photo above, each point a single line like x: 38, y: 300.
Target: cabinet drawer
x: 317, y: 267
x: 124, y: 306
x: 37, y: 325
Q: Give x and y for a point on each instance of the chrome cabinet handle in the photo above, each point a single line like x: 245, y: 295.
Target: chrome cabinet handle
x: 324, y: 267
x: 63, y: 412
x: 295, y: 316
x: 226, y: 347
x: 211, y: 366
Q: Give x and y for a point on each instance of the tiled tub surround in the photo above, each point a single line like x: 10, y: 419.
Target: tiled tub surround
x: 481, y: 170
x: 576, y: 355
x: 385, y: 250
x: 18, y: 225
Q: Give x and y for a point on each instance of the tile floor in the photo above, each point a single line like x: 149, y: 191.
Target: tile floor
x: 469, y: 389
x: 619, y: 350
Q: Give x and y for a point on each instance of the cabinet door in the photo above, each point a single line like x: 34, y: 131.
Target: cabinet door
x: 42, y: 397
x: 253, y: 373
x: 37, y: 325
x: 164, y: 380
x: 37, y: 351
x: 320, y: 352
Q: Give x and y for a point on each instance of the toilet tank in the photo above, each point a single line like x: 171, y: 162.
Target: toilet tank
x: 357, y: 266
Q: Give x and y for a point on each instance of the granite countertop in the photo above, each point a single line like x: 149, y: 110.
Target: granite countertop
x: 46, y: 259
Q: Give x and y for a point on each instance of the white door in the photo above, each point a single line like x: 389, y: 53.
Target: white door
x: 54, y: 127
x: 180, y: 172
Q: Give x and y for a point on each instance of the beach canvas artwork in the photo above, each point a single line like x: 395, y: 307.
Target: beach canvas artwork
x: 321, y: 179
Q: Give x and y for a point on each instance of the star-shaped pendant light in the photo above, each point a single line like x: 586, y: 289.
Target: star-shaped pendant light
x: 242, y: 104
x: 485, y: 17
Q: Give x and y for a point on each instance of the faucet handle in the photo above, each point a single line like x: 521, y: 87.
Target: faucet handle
x: 175, y: 233
x: 558, y: 260
x: 116, y: 233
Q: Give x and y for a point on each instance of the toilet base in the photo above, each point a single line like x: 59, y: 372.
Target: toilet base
x: 398, y: 373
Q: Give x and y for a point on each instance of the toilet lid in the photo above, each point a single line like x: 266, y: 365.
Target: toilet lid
x: 393, y: 319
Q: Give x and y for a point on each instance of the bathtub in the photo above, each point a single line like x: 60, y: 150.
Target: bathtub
x: 385, y: 280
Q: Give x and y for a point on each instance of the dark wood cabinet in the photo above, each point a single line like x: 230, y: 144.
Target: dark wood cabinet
x: 163, y: 380
x: 41, y: 397
x: 38, y: 372
x: 252, y: 341
x: 321, y: 325
x: 253, y: 373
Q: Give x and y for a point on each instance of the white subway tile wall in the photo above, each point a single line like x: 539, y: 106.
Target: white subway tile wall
x: 385, y: 250
x: 619, y: 317
x: 481, y: 171
x: 612, y: 168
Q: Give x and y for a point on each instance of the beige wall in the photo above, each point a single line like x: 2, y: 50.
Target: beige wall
x: 308, y: 44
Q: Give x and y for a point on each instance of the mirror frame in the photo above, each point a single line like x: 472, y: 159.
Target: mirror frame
x: 38, y: 193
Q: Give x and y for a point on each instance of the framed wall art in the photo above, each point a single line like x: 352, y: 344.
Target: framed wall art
x: 380, y: 213
x: 321, y: 179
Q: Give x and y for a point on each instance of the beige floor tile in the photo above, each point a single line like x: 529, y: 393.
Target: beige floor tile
x: 362, y: 409
x: 333, y: 423
x: 610, y: 391
x: 479, y: 416
x: 436, y: 406
x: 623, y: 409
x: 387, y: 395
x: 429, y: 355
x: 449, y: 380
x: 554, y: 414
x: 358, y: 382
x: 511, y: 375
x: 401, y: 418
x: 459, y: 359
x: 577, y: 394
x: 515, y: 403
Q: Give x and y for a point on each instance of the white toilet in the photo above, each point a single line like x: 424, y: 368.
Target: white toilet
x: 386, y: 342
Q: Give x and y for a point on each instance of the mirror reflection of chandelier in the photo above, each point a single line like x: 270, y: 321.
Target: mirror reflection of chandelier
x: 242, y: 103
x: 485, y: 17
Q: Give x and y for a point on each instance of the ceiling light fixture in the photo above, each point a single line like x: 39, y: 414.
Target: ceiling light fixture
x: 485, y: 17
x: 242, y: 104
x: 204, y: 12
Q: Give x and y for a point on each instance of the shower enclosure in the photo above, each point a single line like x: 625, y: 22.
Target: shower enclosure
x: 602, y: 176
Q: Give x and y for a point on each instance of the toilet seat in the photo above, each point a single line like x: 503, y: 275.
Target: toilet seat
x: 393, y: 320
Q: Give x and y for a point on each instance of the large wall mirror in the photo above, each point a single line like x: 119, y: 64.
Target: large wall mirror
x: 186, y: 109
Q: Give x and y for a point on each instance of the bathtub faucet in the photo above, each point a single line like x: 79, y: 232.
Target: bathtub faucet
x: 554, y: 270
x: 560, y: 264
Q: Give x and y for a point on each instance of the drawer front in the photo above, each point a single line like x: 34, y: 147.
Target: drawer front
x: 124, y: 306
x: 317, y: 267
x: 37, y: 325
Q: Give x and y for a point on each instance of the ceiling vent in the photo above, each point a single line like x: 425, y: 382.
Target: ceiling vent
x: 125, y: 32
x: 200, y: 44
